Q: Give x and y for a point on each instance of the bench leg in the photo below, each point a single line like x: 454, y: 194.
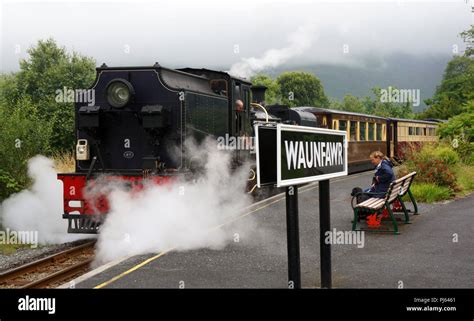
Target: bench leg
x: 395, y: 226
x: 356, y: 217
x: 414, y: 202
x: 405, y: 211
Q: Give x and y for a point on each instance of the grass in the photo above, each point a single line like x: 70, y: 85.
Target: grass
x: 465, y: 179
x: 429, y: 193
x: 64, y: 162
x: 7, y: 249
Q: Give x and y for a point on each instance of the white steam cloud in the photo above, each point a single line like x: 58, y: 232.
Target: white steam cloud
x: 40, y: 207
x: 299, y: 42
x: 182, y: 215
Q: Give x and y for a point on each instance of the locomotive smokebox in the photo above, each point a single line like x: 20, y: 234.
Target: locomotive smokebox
x: 258, y: 94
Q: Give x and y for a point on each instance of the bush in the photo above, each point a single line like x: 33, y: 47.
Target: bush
x: 24, y: 134
x: 465, y: 175
x: 8, y: 185
x: 429, y: 193
x: 433, y: 164
x: 447, y: 155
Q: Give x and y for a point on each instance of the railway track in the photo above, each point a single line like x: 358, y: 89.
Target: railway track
x: 52, y: 270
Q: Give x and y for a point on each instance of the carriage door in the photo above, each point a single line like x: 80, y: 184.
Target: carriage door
x: 392, y: 139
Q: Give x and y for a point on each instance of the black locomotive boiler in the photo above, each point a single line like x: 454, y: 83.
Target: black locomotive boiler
x: 138, y: 126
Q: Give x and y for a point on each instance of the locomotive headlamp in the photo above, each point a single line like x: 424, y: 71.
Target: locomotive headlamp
x: 82, y: 149
x: 119, y: 93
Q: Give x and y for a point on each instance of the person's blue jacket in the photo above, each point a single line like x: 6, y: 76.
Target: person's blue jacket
x: 383, y: 177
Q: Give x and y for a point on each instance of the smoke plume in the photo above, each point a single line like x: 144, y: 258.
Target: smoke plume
x: 40, y: 207
x: 182, y: 215
x: 299, y: 41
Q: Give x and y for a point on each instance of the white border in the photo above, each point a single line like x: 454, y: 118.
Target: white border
x: 256, y: 126
x: 305, y: 129
x: 257, y: 169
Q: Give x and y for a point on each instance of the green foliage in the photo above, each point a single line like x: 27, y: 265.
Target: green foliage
x: 374, y: 105
x: 440, y: 174
x: 461, y: 125
x: 377, y: 106
x: 433, y: 164
x: 447, y: 155
x: 24, y: 134
x: 468, y: 37
x: 49, y: 68
x: 8, y: 185
x: 457, y: 86
x: 349, y: 103
x: 465, y: 175
x: 459, y: 131
x: 429, y: 193
x: 301, y: 89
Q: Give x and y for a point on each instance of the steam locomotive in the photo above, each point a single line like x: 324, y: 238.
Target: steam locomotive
x: 142, y: 116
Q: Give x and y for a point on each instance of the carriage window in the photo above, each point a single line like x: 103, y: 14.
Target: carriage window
x: 353, y: 130
x: 379, y: 132
x: 411, y: 131
x: 418, y: 131
x: 424, y: 131
x: 371, y: 131
x: 334, y: 124
x: 362, y: 133
x: 342, y: 125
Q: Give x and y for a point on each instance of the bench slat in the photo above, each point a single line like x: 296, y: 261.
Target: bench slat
x: 372, y: 203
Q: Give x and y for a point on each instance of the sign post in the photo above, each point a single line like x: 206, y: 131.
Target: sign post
x: 293, y: 238
x: 289, y: 155
x: 324, y: 226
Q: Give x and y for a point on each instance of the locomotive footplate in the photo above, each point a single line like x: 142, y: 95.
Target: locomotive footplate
x: 78, y: 223
x: 85, y: 213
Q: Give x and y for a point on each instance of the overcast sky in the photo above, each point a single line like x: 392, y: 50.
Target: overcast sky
x: 205, y: 33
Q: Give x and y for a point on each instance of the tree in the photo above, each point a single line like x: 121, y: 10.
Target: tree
x: 301, y: 89
x: 47, y: 69
x: 50, y: 67
x: 272, y: 95
x: 461, y: 125
x: 457, y: 85
x: 468, y: 38
x: 353, y: 104
x: 385, y: 108
x: 23, y: 135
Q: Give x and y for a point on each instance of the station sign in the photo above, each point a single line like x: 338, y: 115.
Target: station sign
x: 291, y: 155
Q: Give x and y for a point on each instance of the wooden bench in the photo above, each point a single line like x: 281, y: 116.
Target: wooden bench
x: 395, y: 192
x: 405, y: 190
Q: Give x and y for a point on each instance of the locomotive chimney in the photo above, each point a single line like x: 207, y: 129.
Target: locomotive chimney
x: 258, y: 94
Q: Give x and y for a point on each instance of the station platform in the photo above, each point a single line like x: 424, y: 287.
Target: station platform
x: 424, y: 255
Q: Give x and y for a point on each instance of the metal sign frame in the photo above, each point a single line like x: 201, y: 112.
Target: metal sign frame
x: 270, y: 126
x: 313, y: 130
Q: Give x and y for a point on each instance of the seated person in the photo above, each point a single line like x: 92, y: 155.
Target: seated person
x: 383, y: 174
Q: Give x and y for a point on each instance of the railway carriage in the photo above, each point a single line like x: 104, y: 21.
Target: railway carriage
x: 409, y: 134
x: 365, y: 133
